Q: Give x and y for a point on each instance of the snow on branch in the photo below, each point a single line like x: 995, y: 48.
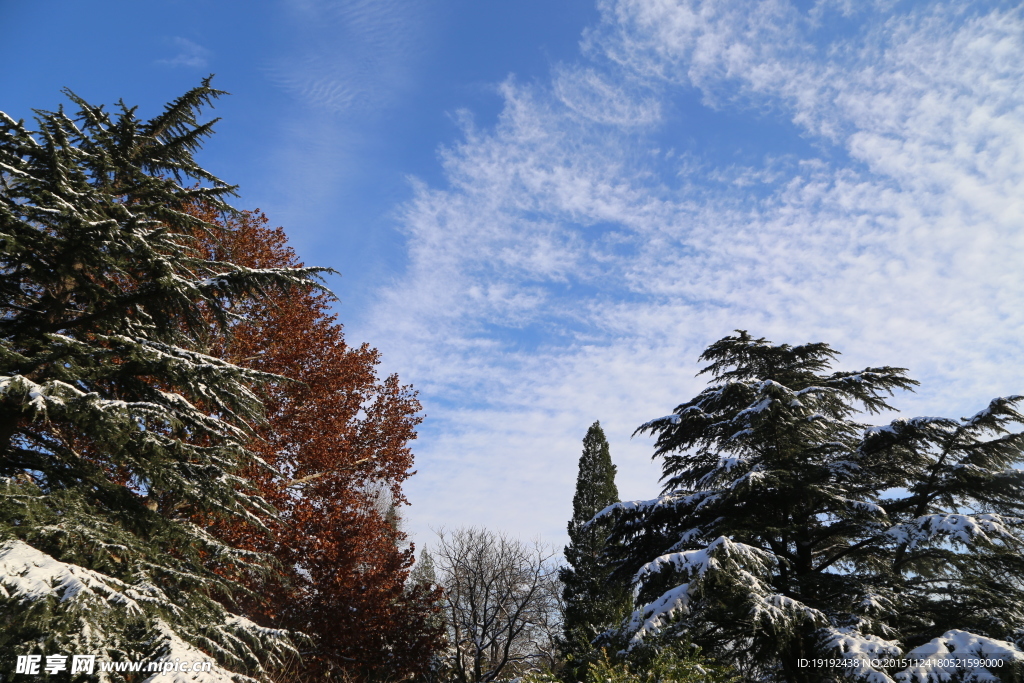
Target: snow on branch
x: 1001, y: 407
x: 651, y: 618
x: 28, y: 575
x: 669, y: 500
x: 172, y: 648
x: 740, y: 564
x: 956, y: 655
x: 966, y: 529
x: 864, y: 649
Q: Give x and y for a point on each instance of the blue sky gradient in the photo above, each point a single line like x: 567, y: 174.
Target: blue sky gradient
x: 543, y: 211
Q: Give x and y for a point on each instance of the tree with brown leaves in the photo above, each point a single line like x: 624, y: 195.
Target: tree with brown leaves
x: 337, y: 445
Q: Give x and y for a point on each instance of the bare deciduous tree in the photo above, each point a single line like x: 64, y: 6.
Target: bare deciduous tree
x: 501, y: 598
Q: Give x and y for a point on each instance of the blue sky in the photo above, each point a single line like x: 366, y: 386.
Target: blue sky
x: 544, y: 211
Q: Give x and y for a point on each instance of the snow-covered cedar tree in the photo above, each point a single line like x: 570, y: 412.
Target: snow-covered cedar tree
x: 787, y: 529
x: 594, y: 601
x: 116, y: 428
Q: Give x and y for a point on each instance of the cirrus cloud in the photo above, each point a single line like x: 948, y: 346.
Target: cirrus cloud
x: 575, y: 264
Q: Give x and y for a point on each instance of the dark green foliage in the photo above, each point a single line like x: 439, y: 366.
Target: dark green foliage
x: 675, y: 663
x: 116, y: 426
x: 788, y: 530
x: 423, y: 578
x: 593, y: 601
x: 666, y: 665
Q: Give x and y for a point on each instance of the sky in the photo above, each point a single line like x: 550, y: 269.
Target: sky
x: 544, y: 211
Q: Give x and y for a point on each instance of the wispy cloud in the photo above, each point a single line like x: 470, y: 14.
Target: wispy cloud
x: 355, y: 56
x: 190, y: 54
x: 592, y: 95
x: 347, y: 65
x: 573, y: 268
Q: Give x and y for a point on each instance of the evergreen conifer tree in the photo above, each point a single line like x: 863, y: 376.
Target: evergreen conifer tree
x: 593, y: 601
x: 116, y: 428
x: 423, y: 573
x: 787, y: 530
x: 423, y: 581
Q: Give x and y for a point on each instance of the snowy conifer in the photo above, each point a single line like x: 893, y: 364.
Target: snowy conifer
x: 423, y: 580
x: 593, y: 601
x: 423, y: 573
x: 116, y: 429
x: 787, y: 529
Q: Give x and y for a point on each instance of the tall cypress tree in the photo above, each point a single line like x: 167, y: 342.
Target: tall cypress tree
x: 593, y: 602
x: 116, y: 427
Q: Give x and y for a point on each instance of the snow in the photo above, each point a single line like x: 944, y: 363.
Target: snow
x: 728, y: 464
x: 688, y: 536
x: 238, y: 622
x: 651, y: 618
x: 174, y: 648
x: 673, y: 499
x: 932, y: 421
x: 880, y: 430
x: 674, y: 419
x: 900, y: 424
x: 959, y: 528
x: 690, y: 561
x: 750, y: 478
x: 775, y: 609
x: 758, y: 407
x: 744, y: 563
x: 863, y: 648
x: 874, y: 602
x: 28, y: 575
x: 846, y: 467
x: 863, y: 506
x: 996, y: 405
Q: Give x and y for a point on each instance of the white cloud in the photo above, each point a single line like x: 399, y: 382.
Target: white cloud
x: 594, y: 97
x: 573, y: 270
x: 191, y: 55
